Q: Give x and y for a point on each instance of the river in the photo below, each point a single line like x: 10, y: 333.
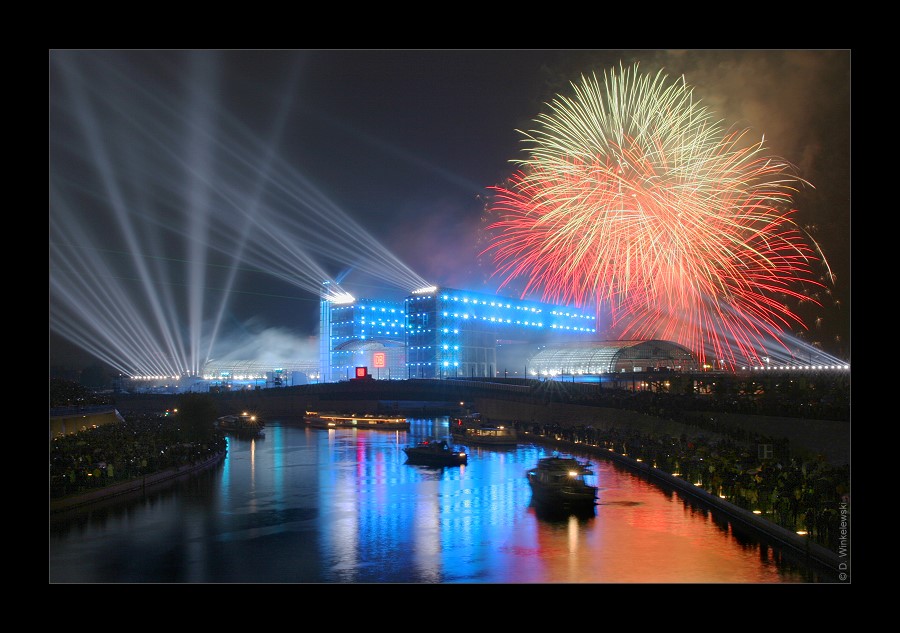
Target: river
x: 306, y: 505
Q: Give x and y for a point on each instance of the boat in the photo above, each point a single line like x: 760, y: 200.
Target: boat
x: 241, y: 425
x: 371, y: 421
x: 434, y: 453
x: 558, y: 484
x: 475, y: 429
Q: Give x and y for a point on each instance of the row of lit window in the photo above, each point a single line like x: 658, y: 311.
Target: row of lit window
x: 496, y: 304
x: 485, y: 302
x: 372, y: 308
x: 378, y: 319
x: 493, y: 304
x: 347, y: 323
x: 466, y: 316
x: 573, y: 315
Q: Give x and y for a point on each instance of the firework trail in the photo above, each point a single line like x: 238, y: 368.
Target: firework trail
x: 635, y: 199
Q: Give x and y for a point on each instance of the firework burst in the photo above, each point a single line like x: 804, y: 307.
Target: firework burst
x: 633, y: 198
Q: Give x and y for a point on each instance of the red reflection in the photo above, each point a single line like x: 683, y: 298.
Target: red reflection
x: 641, y: 537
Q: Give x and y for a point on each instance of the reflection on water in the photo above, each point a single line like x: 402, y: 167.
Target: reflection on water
x: 341, y: 506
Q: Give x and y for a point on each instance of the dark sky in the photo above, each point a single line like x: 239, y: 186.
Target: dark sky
x: 208, y: 173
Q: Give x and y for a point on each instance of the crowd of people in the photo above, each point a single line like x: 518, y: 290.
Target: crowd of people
x: 143, y: 444
x: 140, y: 445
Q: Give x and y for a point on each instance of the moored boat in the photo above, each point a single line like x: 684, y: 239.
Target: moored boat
x: 435, y: 453
x: 558, y: 484
x: 371, y: 421
x: 242, y: 425
x: 475, y: 429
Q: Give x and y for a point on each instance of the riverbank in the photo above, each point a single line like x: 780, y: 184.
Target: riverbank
x: 808, y: 438
x: 137, y: 484
x: 802, y: 546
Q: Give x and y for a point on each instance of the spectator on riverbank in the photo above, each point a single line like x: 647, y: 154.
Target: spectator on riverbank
x: 143, y: 444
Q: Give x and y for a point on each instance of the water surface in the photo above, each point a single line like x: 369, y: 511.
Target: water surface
x: 341, y: 506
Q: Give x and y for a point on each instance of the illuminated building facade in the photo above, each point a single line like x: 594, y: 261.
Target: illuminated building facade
x: 456, y: 334
x: 362, y: 333
x: 439, y: 333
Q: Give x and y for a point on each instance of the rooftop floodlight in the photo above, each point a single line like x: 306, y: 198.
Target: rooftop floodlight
x: 342, y: 298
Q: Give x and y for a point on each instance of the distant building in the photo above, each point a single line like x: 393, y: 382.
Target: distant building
x: 440, y: 333
x: 612, y: 357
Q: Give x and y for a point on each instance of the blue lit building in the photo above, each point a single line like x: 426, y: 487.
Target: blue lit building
x: 362, y: 333
x: 441, y: 333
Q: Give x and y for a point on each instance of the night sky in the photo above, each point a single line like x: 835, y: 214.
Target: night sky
x: 170, y: 161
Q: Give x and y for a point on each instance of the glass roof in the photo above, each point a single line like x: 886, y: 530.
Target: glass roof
x: 598, y: 357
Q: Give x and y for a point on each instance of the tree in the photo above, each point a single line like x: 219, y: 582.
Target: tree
x: 197, y: 413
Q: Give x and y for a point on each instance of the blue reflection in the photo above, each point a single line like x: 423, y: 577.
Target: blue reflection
x: 343, y: 506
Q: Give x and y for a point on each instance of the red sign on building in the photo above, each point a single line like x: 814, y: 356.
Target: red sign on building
x: 380, y: 359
